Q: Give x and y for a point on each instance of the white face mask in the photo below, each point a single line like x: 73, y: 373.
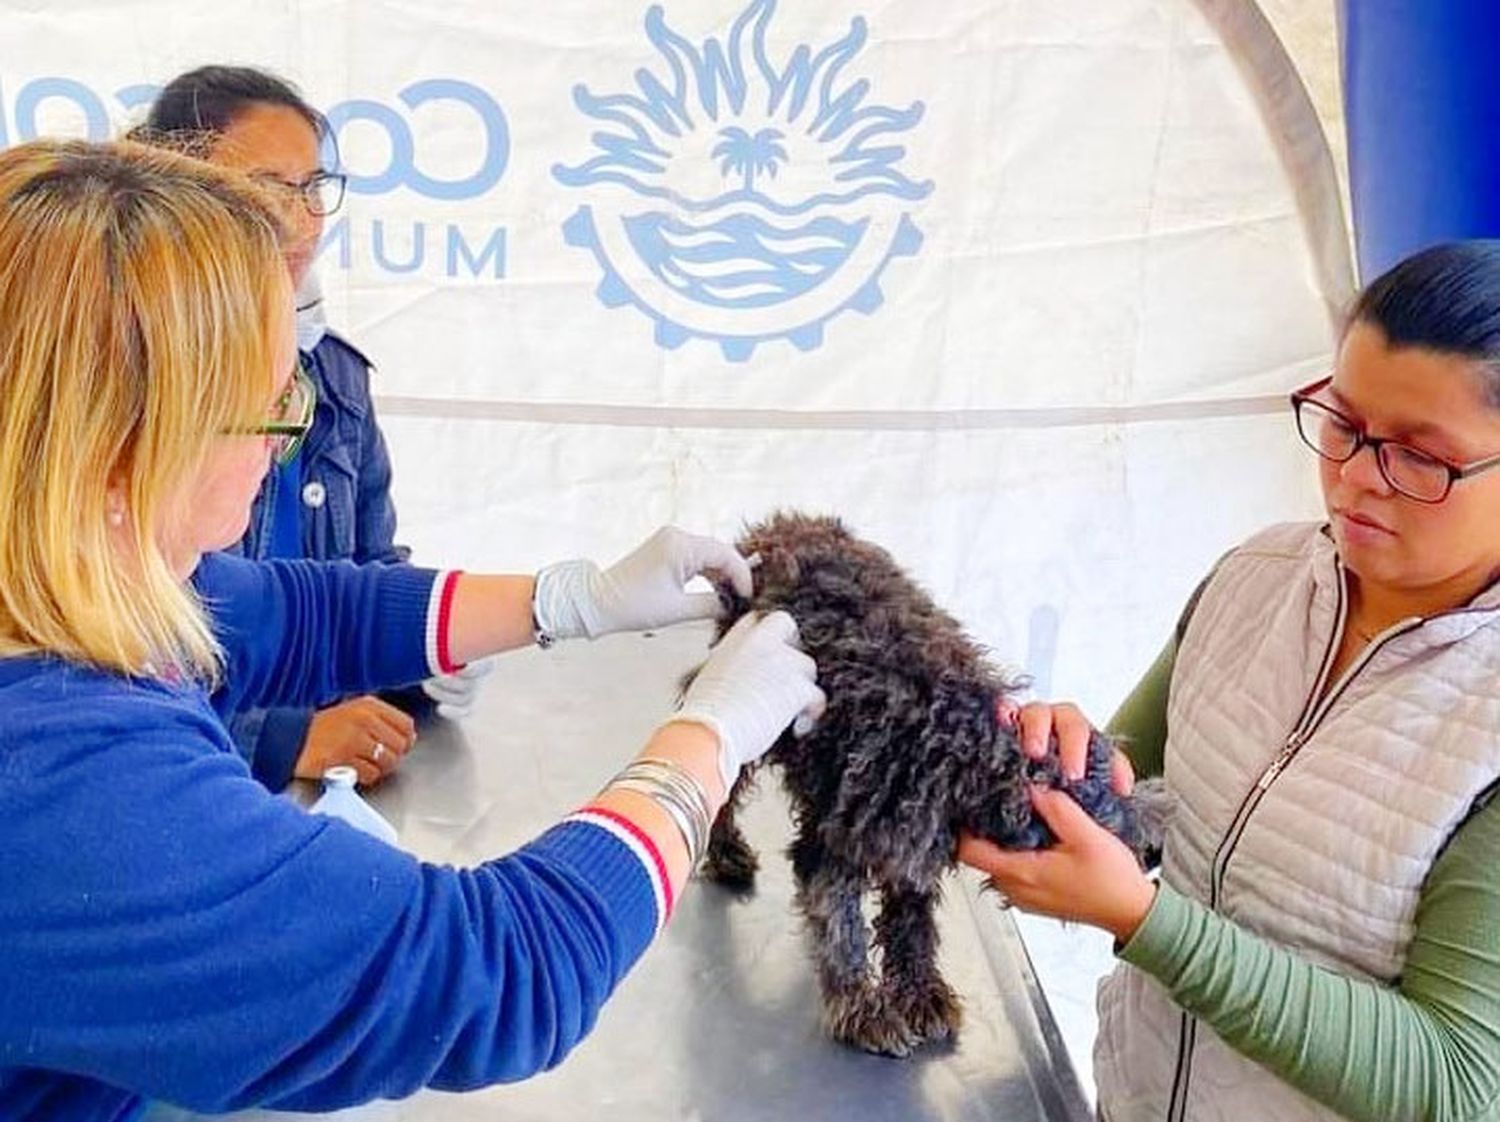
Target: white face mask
x: 312, y: 319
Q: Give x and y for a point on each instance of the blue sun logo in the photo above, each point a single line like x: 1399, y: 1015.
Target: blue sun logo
x: 738, y: 199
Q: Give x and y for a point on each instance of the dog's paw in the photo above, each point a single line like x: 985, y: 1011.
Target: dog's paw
x: 866, y: 1021
x: 932, y: 1011
x: 730, y: 862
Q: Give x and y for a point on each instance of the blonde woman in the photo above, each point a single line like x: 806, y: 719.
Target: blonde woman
x: 147, y: 379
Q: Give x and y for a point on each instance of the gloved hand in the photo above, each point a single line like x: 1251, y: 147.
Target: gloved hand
x: 754, y: 684
x: 640, y: 591
x: 456, y: 693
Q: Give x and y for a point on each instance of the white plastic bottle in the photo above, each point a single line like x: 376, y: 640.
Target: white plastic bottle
x: 341, y: 800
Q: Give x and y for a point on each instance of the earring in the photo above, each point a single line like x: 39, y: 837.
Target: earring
x: 115, y: 516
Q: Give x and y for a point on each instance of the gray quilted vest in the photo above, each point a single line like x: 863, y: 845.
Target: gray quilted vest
x: 1312, y: 823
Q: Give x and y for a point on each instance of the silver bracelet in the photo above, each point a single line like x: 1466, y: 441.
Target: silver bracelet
x: 678, y: 793
x: 692, y: 837
x: 685, y: 789
x: 684, y: 781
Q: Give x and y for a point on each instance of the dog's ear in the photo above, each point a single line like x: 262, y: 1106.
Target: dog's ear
x: 731, y: 603
x: 781, y: 565
x: 729, y: 599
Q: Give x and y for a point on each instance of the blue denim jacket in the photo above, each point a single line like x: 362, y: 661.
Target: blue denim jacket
x: 346, y: 514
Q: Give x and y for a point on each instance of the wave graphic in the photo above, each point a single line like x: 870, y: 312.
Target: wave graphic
x: 742, y: 261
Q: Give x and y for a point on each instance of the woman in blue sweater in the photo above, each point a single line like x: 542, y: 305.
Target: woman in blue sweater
x: 148, y: 375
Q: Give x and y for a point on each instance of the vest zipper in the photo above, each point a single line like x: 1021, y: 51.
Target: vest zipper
x: 1299, y: 736
x: 1301, y: 729
x: 1187, y: 1038
x: 1177, y: 1108
x: 1313, y: 712
x: 1188, y: 1032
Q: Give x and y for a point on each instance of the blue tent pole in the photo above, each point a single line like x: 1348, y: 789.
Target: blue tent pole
x: 1422, y: 103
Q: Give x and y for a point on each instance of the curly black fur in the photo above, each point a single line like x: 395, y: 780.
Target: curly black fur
x: 909, y: 753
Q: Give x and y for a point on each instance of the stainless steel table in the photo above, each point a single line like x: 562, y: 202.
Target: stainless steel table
x: 719, y: 1020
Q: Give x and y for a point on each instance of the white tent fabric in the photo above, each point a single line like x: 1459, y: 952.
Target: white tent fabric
x: 1014, y: 288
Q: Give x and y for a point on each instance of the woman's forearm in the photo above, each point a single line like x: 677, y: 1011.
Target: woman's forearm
x: 489, y: 614
x: 1372, y: 1052
x: 694, y: 748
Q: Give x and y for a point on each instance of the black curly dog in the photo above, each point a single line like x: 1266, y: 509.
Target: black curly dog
x: 908, y: 753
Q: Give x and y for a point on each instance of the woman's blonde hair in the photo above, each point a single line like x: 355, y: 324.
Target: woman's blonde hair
x: 140, y: 292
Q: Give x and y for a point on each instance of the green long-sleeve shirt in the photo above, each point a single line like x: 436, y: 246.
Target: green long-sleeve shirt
x: 1427, y: 1048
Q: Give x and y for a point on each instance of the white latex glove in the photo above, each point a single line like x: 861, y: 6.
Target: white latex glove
x: 754, y: 684
x: 456, y: 693
x: 638, y: 592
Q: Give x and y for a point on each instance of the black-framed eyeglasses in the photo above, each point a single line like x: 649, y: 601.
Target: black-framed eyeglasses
x: 1409, y: 471
x: 321, y: 193
x: 294, y: 417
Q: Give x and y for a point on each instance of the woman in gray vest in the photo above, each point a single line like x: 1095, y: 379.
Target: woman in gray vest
x: 1325, y: 937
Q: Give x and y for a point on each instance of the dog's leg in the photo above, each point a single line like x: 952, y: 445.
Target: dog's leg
x: 729, y: 860
x: 853, y: 1012
x: 906, y: 932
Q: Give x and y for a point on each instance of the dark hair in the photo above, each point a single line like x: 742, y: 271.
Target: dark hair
x: 1445, y: 299
x: 208, y: 99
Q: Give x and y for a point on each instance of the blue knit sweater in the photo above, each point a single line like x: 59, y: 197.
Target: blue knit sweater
x: 172, y: 931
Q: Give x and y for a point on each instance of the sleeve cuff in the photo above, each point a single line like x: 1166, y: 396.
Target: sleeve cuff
x: 280, y: 744
x: 621, y: 865
x: 439, y: 621
x: 640, y: 846
x: 1162, y: 938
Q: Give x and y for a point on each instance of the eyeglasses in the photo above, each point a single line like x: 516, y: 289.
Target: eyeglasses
x: 1409, y: 471
x: 321, y: 193
x: 294, y: 417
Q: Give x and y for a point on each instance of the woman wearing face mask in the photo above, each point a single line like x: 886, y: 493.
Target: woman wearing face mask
x: 332, y: 501
x: 171, y: 930
x: 1325, y: 939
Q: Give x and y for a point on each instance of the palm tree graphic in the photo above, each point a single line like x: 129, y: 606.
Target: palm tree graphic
x: 749, y: 155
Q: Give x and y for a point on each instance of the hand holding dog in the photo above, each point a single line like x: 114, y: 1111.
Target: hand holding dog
x: 1088, y: 875
x: 755, y: 683
x: 642, y: 590
x: 1040, y: 721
